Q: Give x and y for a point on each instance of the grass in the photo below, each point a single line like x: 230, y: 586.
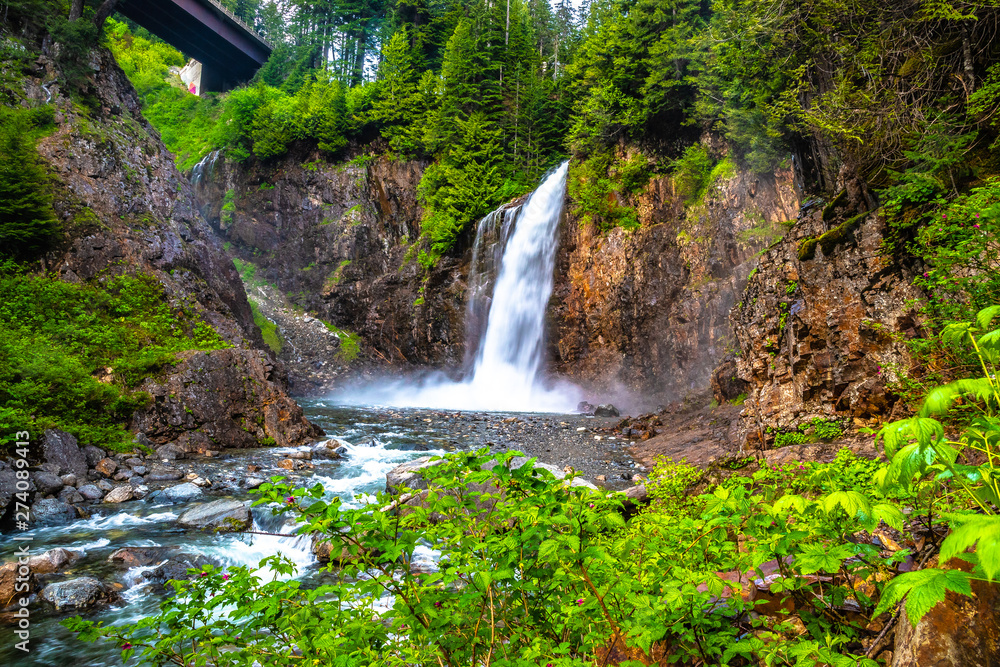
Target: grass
x: 350, y: 343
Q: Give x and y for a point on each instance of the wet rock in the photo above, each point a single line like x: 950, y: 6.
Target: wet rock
x: 80, y: 593
x: 61, y: 449
x: 70, y: 495
x: 181, y: 493
x: 606, y: 410
x: 54, y: 560
x: 9, y: 584
x: 140, y: 470
x: 52, y: 512
x: 68, y: 480
x: 158, y: 473
x: 47, y: 483
x: 105, y: 485
x: 585, y: 408
x: 409, y: 475
x: 253, y: 482
x: 299, y: 455
x: 106, y: 467
x: 90, y: 492
x: 93, y: 455
x: 140, y: 491
x: 224, y: 514
x: 120, y: 494
x: 135, y: 480
x: 164, y: 563
x: 8, y: 485
x: 286, y: 464
x: 325, y: 452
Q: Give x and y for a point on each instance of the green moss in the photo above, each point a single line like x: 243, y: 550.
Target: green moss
x: 268, y: 329
x: 228, y: 208
x: 831, y: 239
x: 829, y: 209
x: 334, y: 278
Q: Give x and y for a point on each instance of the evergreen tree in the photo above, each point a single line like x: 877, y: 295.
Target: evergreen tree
x: 28, y: 224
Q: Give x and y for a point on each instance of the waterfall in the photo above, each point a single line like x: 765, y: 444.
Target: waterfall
x: 510, y: 282
x: 204, y: 168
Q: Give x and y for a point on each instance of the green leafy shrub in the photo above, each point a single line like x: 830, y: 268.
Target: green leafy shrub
x: 268, y: 329
x: 692, y: 172
x: 72, y: 355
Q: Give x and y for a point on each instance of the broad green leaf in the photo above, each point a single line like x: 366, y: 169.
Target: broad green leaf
x: 790, y: 501
x: 985, y: 316
x: 923, y: 589
x: 851, y: 502
x: 822, y: 558
x: 979, y: 530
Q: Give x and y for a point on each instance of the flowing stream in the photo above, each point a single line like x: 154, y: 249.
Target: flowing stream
x: 510, y: 284
x: 374, y: 442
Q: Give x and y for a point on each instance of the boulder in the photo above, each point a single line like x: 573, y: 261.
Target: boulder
x: 223, y: 514
x: 167, y: 562
x: 90, y: 492
x: 961, y: 631
x: 104, y: 485
x: 70, y: 495
x: 120, y: 494
x: 52, y: 512
x: 159, y: 473
x: 606, y: 410
x: 585, y: 408
x: 94, y: 455
x: 61, y: 449
x: 53, y: 560
x: 726, y: 384
x: 47, y: 483
x: 106, y: 467
x: 232, y: 397
x: 9, y: 575
x: 8, y: 485
x: 181, y: 493
x: 170, y: 452
x: 79, y: 593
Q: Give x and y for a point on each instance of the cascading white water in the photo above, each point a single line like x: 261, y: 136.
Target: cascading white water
x: 508, y: 364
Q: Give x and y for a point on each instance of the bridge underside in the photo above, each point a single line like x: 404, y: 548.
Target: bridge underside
x: 229, y: 54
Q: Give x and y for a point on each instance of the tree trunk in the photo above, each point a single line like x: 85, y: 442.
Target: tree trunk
x: 75, y: 10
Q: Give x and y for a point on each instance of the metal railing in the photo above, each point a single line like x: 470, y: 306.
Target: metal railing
x: 240, y: 22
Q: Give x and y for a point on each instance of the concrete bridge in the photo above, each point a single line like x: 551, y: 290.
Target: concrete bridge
x: 228, y: 49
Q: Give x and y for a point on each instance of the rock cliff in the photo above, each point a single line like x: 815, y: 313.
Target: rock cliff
x: 126, y: 209
x: 335, y: 238
x: 647, y: 311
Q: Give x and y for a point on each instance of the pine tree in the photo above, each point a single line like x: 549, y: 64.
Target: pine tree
x: 28, y: 224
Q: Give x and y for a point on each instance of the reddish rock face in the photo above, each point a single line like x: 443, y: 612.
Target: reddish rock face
x: 648, y: 310
x: 821, y: 333
x: 962, y: 631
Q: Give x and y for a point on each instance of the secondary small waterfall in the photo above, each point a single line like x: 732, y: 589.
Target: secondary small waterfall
x: 510, y: 282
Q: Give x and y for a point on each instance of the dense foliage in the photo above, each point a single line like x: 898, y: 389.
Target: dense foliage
x: 72, y: 355
x: 28, y: 224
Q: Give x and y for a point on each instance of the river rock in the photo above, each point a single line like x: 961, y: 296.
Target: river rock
x: 91, y: 492
x: 9, y: 584
x: 159, y: 473
x: 120, y: 494
x: 140, y: 470
x: 169, y: 562
x: 47, y: 483
x: 606, y: 410
x: 8, y: 485
x: 61, y: 449
x: 93, y: 455
x: 409, y: 475
x: 585, y: 408
x: 105, y: 485
x: 132, y: 462
x: 224, y: 514
x: 79, y: 593
x: 135, y: 480
x: 253, y: 482
x: 68, y: 479
x: 106, y: 467
x: 170, y: 452
x: 52, y: 512
x: 181, y: 493
x: 53, y: 560
x: 70, y: 495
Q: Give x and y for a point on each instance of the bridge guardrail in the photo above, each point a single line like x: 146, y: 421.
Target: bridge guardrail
x: 240, y: 22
